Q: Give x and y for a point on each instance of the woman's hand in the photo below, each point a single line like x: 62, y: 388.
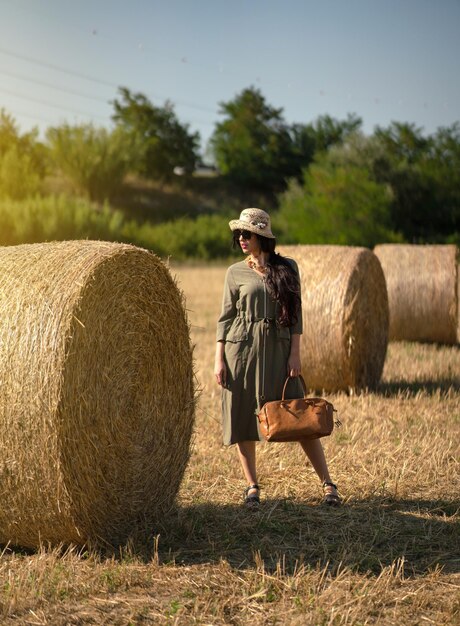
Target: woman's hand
x: 294, y: 367
x: 220, y: 372
x: 220, y: 369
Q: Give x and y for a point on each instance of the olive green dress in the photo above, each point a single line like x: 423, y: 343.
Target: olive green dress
x: 256, y: 352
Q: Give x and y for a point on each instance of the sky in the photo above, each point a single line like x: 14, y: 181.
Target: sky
x: 384, y: 60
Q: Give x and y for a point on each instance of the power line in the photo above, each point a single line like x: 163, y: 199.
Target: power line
x: 94, y: 79
x: 50, y: 86
x: 182, y: 60
x: 50, y: 104
x: 37, y: 118
x: 375, y: 100
x: 58, y: 68
x: 77, y: 112
x: 195, y: 121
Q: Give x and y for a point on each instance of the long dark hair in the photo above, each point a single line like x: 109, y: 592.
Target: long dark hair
x: 282, y: 281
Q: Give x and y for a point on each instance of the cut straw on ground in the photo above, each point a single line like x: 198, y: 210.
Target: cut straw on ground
x: 390, y: 556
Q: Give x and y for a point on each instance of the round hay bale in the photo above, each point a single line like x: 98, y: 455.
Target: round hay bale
x: 345, y: 316
x: 96, y: 394
x: 423, y: 291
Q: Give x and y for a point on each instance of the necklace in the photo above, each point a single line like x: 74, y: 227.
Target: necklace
x: 254, y: 265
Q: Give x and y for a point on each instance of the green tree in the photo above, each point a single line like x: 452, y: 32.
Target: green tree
x: 18, y: 176
x: 337, y: 204
x: 163, y: 142
x: 95, y: 160
x: 9, y: 132
x: 403, y: 142
x: 424, y: 175
x: 23, y: 160
x: 326, y: 131
x: 440, y: 171
x: 253, y: 145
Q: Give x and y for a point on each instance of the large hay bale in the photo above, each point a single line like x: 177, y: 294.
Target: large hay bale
x: 96, y: 395
x: 345, y: 316
x: 423, y: 291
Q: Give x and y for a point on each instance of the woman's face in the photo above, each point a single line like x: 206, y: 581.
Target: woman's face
x: 249, y: 242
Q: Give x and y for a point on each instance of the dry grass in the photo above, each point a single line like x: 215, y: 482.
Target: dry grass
x: 391, y: 555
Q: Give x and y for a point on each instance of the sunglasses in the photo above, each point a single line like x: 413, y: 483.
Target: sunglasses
x: 245, y: 234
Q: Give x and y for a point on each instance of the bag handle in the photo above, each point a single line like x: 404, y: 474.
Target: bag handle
x: 304, y: 386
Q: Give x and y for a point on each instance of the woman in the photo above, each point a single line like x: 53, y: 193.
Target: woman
x: 258, y: 345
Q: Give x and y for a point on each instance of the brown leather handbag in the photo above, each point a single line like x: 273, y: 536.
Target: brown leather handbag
x: 301, y: 418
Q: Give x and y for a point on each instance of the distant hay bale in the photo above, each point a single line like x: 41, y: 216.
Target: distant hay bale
x: 345, y: 316
x: 423, y: 291
x: 96, y: 392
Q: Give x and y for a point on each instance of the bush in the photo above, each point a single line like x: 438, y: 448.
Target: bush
x: 336, y: 205
x: 206, y: 237
x: 23, y: 160
x: 61, y: 217
x: 18, y: 176
x: 56, y: 218
x: 94, y: 159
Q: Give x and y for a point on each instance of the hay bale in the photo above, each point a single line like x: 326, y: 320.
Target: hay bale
x: 345, y: 316
x: 423, y: 291
x: 96, y: 395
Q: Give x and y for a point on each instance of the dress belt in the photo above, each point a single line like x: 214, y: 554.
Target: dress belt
x: 267, y: 320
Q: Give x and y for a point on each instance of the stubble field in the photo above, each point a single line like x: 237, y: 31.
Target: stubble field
x: 390, y: 555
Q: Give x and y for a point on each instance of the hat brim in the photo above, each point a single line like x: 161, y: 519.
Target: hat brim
x: 241, y: 225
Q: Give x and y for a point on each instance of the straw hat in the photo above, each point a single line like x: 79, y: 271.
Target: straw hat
x: 254, y: 220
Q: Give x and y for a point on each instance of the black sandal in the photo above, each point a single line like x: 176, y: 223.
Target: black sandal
x: 331, y: 499
x: 251, y: 500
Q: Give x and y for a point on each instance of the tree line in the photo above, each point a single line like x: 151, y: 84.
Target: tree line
x: 331, y: 182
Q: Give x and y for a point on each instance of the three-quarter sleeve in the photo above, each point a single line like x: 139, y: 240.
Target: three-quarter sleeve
x: 229, y: 310
x: 297, y: 328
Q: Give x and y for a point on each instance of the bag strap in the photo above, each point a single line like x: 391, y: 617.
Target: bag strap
x: 304, y: 386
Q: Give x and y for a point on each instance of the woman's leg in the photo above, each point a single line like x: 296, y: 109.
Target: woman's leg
x: 247, y: 455
x: 314, y: 450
